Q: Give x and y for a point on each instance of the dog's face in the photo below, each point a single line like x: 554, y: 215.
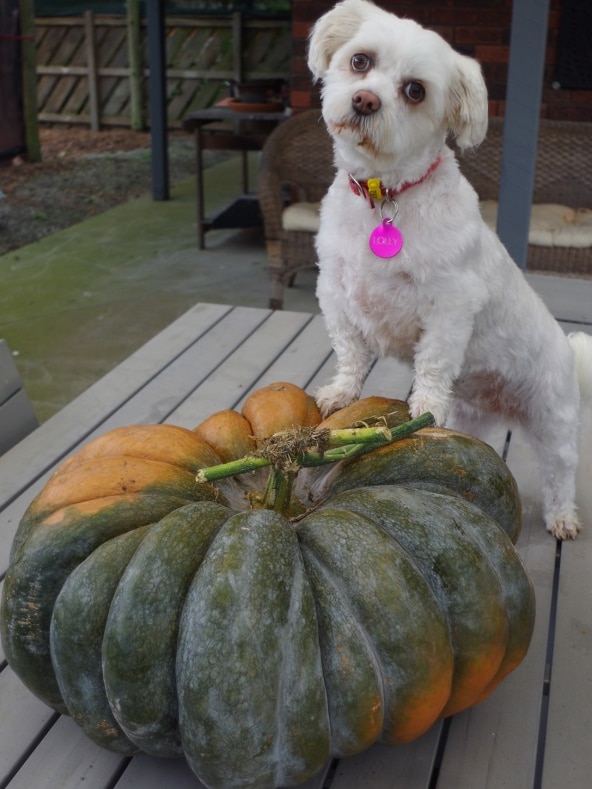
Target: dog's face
x: 392, y: 90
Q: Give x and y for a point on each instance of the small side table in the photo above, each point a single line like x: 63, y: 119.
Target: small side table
x: 229, y: 129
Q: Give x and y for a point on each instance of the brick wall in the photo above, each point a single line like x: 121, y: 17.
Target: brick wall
x: 479, y: 28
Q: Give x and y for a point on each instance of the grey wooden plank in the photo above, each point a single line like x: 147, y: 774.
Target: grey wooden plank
x: 319, y: 781
x: 381, y: 767
x: 495, y: 743
x: 10, y: 380
x: 2, y: 654
x: 36, y: 453
x: 67, y: 758
x: 242, y: 370
x: 389, y: 378
x: 568, y: 298
x: 568, y: 756
x: 306, y: 354
x: 22, y: 719
x: 323, y: 375
x: 17, y: 420
x: 184, y: 377
x: 150, y: 772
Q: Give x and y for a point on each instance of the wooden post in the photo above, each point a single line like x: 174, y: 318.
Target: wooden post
x: 237, y: 67
x: 29, y: 79
x: 158, y: 102
x: 521, y: 124
x: 237, y: 46
x: 91, y: 64
x: 134, y: 49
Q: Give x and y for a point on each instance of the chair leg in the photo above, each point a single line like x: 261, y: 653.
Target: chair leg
x: 276, y: 299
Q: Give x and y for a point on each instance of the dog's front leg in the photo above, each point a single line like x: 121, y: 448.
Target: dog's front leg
x: 438, y: 361
x: 353, y: 363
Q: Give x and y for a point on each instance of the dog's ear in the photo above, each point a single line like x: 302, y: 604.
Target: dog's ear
x: 332, y: 31
x: 467, y: 109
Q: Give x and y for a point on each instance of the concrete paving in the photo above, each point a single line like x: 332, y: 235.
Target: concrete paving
x: 76, y: 303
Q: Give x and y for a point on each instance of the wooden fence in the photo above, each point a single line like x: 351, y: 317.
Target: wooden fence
x: 91, y: 69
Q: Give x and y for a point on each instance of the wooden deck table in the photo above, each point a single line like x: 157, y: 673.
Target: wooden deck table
x: 534, y: 731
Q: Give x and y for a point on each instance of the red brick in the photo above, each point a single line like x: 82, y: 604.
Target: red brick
x: 300, y: 29
x: 581, y: 97
x: 477, y: 27
x: 492, y: 54
x: 480, y: 35
x: 299, y: 98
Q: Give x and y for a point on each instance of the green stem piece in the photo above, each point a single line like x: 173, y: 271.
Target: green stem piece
x: 341, y: 448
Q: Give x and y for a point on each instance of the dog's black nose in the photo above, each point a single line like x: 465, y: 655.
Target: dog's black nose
x: 364, y: 102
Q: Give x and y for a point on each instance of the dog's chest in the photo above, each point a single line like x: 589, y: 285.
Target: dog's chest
x: 384, y: 307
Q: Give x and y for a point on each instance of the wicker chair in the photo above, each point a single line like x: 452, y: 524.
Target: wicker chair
x: 296, y: 167
x: 563, y: 176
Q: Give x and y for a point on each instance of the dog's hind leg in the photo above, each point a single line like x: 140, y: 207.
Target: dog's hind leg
x: 557, y: 446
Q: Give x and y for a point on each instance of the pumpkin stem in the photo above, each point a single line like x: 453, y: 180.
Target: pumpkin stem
x: 340, y: 447
x: 278, y: 492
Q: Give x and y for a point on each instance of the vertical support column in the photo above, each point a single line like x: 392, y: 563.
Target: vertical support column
x: 91, y: 64
x: 237, y: 67
x: 29, y: 72
x: 158, y: 105
x: 521, y: 124
x: 134, y: 49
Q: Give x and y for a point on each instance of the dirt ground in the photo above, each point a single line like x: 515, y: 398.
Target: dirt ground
x: 82, y: 173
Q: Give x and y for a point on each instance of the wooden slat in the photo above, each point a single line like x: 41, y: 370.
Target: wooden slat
x: 495, y: 743
x: 389, y: 378
x: 66, y: 758
x: 22, y: 720
x: 382, y: 767
x: 568, y: 298
x: 302, y: 358
x: 148, y: 772
x: 10, y: 380
x: 17, y: 418
x: 241, y: 370
x: 569, y: 728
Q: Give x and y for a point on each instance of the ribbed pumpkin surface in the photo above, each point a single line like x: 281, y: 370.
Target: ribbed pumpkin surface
x: 167, y: 616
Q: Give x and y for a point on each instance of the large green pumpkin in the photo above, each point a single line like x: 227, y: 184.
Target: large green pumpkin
x: 180, y: 618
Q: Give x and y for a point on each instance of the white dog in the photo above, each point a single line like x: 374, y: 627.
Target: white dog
x: 449, y: 300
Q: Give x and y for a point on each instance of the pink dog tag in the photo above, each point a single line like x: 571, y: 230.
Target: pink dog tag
x: 386, y: 240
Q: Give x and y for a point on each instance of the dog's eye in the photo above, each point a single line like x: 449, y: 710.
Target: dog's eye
x: 361, y: 62
x: 414, y: 91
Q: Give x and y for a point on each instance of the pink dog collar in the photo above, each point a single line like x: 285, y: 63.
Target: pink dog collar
x: 373, y: 189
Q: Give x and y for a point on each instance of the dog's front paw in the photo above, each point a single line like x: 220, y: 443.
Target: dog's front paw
x: 331, y: 398
x: 420, y: 402
x: 565, y: 528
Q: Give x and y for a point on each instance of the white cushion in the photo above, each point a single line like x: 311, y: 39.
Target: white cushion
x: 301, y: 216
x: 551, y: 225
